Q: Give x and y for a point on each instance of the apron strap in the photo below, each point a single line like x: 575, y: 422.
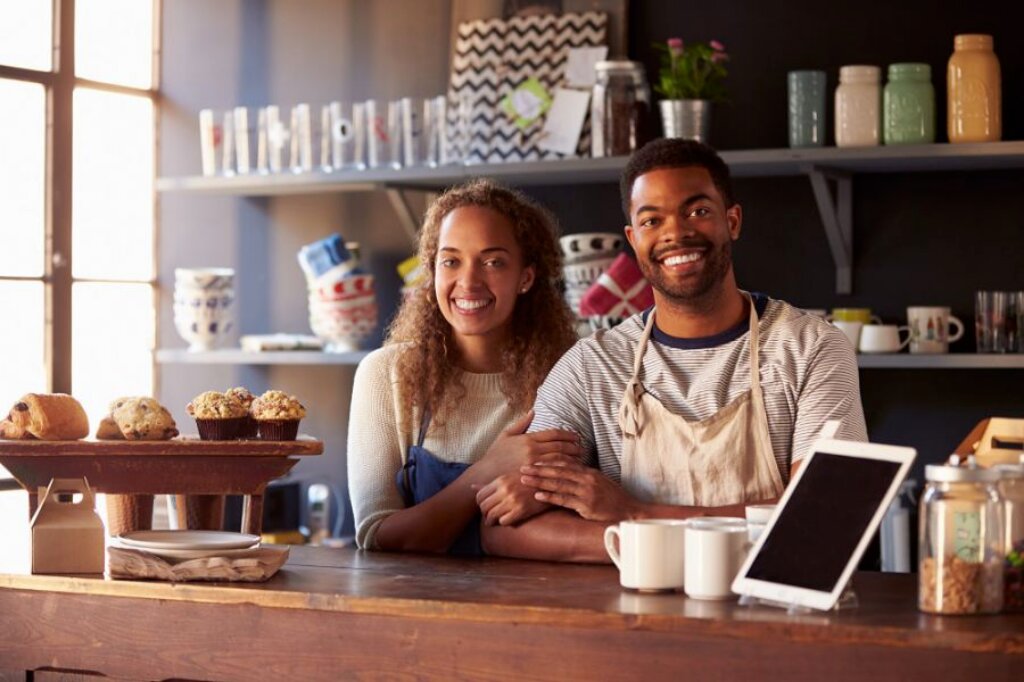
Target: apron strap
x: 424, y: 425
x: 754, y: 347
x: 629, y: 417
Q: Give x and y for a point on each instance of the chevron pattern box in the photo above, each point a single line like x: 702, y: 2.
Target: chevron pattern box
x: 492, y: 58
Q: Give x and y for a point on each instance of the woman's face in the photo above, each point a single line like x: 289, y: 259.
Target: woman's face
x: 479, y: 272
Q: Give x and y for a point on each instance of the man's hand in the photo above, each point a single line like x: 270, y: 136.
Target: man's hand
x: 506, y: 501
x: 563, y: 481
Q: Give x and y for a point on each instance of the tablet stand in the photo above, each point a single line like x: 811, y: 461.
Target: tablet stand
x: 847, y: 600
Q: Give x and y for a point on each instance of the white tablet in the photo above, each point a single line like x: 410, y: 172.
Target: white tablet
x: 823, y: 523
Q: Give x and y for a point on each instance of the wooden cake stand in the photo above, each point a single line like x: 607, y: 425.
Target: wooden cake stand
x: 181, y: 466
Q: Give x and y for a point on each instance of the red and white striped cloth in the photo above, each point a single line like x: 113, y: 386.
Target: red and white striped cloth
x: 620, y: 291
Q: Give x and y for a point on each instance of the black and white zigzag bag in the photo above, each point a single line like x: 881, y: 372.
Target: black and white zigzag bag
x: 492, y: 58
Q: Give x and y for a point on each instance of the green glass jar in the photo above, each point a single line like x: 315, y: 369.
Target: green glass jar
x: 908, y: 105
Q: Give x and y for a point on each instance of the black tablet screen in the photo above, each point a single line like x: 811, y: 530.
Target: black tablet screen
x: 823, y: 521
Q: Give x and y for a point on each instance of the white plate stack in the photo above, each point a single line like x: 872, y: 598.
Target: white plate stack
x: 188, y: 544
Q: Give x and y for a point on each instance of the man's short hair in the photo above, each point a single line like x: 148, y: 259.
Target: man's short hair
x: 672, y: 152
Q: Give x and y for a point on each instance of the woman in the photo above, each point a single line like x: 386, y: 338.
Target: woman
x: 443, y: 407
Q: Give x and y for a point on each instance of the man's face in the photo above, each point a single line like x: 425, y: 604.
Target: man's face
x: 682, y: 232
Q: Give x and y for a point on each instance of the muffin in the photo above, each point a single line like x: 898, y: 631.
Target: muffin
x: 137, y: 418
x: 218, y: 417
x: 243, y: 396
x: 278, y: 415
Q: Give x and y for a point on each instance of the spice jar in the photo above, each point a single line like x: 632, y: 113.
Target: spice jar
x: 1011, y: 489
x: 961, y: 541
x: 974, y: 91
x: 619, y: 109
x: 858, y: 106
x: 908, y: 105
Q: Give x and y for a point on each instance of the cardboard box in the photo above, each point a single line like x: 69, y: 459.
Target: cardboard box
x: 67, y: 535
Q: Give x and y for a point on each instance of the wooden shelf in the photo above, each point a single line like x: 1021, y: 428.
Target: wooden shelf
x: 942, y: 361
x: 742, y: 163
x: 171, y: 356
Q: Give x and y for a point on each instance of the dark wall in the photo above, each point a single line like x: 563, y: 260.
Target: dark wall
x: 919, y: 239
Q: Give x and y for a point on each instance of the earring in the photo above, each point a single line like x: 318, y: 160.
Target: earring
x: 524, y: 290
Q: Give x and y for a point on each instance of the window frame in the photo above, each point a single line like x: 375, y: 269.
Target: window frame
x: 60, y: 84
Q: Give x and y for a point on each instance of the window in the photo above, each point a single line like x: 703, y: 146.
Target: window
x: 77, y: 276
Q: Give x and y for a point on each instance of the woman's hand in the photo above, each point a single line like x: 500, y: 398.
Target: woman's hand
x: 506, y: 501
x: 515, y: 448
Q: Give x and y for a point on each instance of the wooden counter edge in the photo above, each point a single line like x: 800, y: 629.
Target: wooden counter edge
x: 1010, y: 643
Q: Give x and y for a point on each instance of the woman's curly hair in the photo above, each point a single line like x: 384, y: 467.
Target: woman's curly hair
x: 542, y: 326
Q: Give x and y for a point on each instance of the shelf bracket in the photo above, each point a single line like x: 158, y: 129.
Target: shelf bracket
x: 836, y: 212
x: 406, y: 216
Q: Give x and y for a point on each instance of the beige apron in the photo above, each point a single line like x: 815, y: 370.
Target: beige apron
x: 722, y: 460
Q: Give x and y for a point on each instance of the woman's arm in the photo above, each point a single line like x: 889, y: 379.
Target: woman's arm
x: 556, y: 535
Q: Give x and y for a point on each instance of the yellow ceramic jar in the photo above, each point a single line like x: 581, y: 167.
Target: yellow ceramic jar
x: 974, y: 91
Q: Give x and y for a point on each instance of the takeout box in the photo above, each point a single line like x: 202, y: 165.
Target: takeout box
x: 1001, y: 443
x: 67, y: 533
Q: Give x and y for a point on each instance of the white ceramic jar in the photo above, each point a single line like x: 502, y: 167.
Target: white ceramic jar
x: 858, y: 106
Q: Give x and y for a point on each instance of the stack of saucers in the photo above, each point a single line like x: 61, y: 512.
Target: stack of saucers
x: 178, y: 545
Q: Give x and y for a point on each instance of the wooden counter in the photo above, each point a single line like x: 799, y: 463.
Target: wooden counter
x: 344, y: 614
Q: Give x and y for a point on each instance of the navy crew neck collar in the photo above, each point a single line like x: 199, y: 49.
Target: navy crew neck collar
x: 719, y: 339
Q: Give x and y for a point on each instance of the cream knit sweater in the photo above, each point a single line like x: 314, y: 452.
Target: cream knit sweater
x: 378, y: 440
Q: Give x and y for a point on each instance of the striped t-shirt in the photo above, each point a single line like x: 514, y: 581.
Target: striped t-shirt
x: 808, y: 376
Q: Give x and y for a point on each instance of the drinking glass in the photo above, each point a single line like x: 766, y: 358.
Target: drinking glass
x: 992, y: 310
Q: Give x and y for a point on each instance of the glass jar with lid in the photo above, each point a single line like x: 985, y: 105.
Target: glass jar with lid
x: 961, y: 540
x: 1011, y: 489
x: 619, y: 109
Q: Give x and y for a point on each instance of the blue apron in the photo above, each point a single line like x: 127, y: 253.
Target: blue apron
x: 423, y: 476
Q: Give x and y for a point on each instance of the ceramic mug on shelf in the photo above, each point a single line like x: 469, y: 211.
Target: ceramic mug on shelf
x: 862, y: 315
x: 715, y: 550
x: 648, y: 553
x: 929, y: 329
x: 851, y: 329
x: 882, y: 338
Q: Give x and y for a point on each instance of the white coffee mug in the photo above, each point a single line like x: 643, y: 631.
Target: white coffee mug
x: 649, y: 555
x: 758, y: 516
x: 882, y: 338
x: 929, y: 329
x: 715, y: 550
x: 851, y: 329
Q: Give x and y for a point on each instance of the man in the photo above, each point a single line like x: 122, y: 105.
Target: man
x: 680, y: 414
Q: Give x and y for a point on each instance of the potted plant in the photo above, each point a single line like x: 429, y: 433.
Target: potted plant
x: 691, y: 77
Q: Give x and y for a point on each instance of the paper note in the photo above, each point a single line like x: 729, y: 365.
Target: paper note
x: 579, y: 69
x: 565, y: 121
x: 527, y: 103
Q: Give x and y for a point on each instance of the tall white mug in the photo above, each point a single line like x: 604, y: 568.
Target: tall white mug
x: 650, y: 553
x: 715, y: 550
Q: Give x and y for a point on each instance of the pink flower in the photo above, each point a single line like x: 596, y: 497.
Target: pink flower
x: 718, y: 57
x: 717, y: 46
x: 675, y: 46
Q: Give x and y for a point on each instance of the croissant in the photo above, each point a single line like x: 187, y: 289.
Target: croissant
x: 46, y: 416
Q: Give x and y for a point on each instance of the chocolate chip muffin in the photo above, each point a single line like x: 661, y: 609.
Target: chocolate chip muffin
x: 242, y: 395
x: 141, y: 418
x: 218, y: 416
x: 278, y: 415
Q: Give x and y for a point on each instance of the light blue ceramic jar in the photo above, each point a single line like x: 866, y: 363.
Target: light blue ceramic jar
x: 806, y: 90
